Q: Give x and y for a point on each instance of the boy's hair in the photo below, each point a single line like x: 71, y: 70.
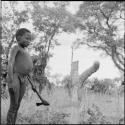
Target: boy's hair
x: 21, y: 32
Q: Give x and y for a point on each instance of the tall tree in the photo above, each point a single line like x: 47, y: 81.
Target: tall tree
x: 101, y: 22
x: 49, y: 22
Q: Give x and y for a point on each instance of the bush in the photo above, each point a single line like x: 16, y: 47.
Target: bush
x: 102, y: 86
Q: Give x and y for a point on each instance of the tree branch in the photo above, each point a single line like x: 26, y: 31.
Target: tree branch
x: 99, y: 20
x: 103, y: 13
x: 122, y: 57
x: 119, y: 59
x: 117, y: 65
x: 54, y: 32
x: 106, y: 17
x: 114, y: 60
x: 99, y: 47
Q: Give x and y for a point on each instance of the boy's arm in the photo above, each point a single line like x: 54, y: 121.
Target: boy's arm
x: 11, y: 61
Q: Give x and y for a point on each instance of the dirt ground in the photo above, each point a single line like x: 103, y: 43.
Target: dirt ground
x: 94, y: 108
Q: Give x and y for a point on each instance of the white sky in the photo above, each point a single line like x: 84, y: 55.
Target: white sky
x: 61, y: 61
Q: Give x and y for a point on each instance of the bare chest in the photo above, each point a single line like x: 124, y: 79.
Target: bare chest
x: 23, y: 62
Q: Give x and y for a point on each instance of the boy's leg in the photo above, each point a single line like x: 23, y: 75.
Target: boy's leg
x: 14, y: 97
x: 22, y: 88
x: 21, y: 93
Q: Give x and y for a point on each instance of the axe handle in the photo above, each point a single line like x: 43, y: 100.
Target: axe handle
x: 35, y: 89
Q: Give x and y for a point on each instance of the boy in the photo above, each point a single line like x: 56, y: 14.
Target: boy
x: 20, y: 65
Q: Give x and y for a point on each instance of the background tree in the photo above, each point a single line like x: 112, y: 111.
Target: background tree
x: 49, y: 22
x: 101, y: 23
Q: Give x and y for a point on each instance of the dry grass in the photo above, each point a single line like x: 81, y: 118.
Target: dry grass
x: 94, y: 108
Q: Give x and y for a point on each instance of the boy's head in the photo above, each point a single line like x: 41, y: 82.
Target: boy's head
x: 23, y: 37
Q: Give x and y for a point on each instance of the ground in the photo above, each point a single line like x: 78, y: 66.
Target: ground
x: 95, y: 108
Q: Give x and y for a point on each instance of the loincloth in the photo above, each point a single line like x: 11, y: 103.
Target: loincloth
x: 22, y: 79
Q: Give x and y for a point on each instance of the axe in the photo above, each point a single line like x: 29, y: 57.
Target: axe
x: 44, y: 102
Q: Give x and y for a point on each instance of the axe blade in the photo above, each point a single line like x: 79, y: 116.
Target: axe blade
x: 41, y: 103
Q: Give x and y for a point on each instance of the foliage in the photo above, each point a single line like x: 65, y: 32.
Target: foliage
x: 100, y: 22
x: 67, y: 83
x: 51, y: 21
x: 103, y: 86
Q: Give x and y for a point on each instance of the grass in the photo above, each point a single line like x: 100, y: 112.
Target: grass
x: 64, y: 110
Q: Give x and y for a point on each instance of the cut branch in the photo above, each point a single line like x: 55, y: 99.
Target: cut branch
x: 88, y: 73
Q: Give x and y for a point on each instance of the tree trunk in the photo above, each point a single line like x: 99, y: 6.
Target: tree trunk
x: 76, y: 93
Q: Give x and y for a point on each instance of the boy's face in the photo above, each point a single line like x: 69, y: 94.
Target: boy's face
x: 25, y: 39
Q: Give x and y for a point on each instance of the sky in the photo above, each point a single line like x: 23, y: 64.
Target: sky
x: 61, y: 61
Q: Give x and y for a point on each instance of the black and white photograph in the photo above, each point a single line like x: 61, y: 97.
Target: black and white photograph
x: 62, y: 62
